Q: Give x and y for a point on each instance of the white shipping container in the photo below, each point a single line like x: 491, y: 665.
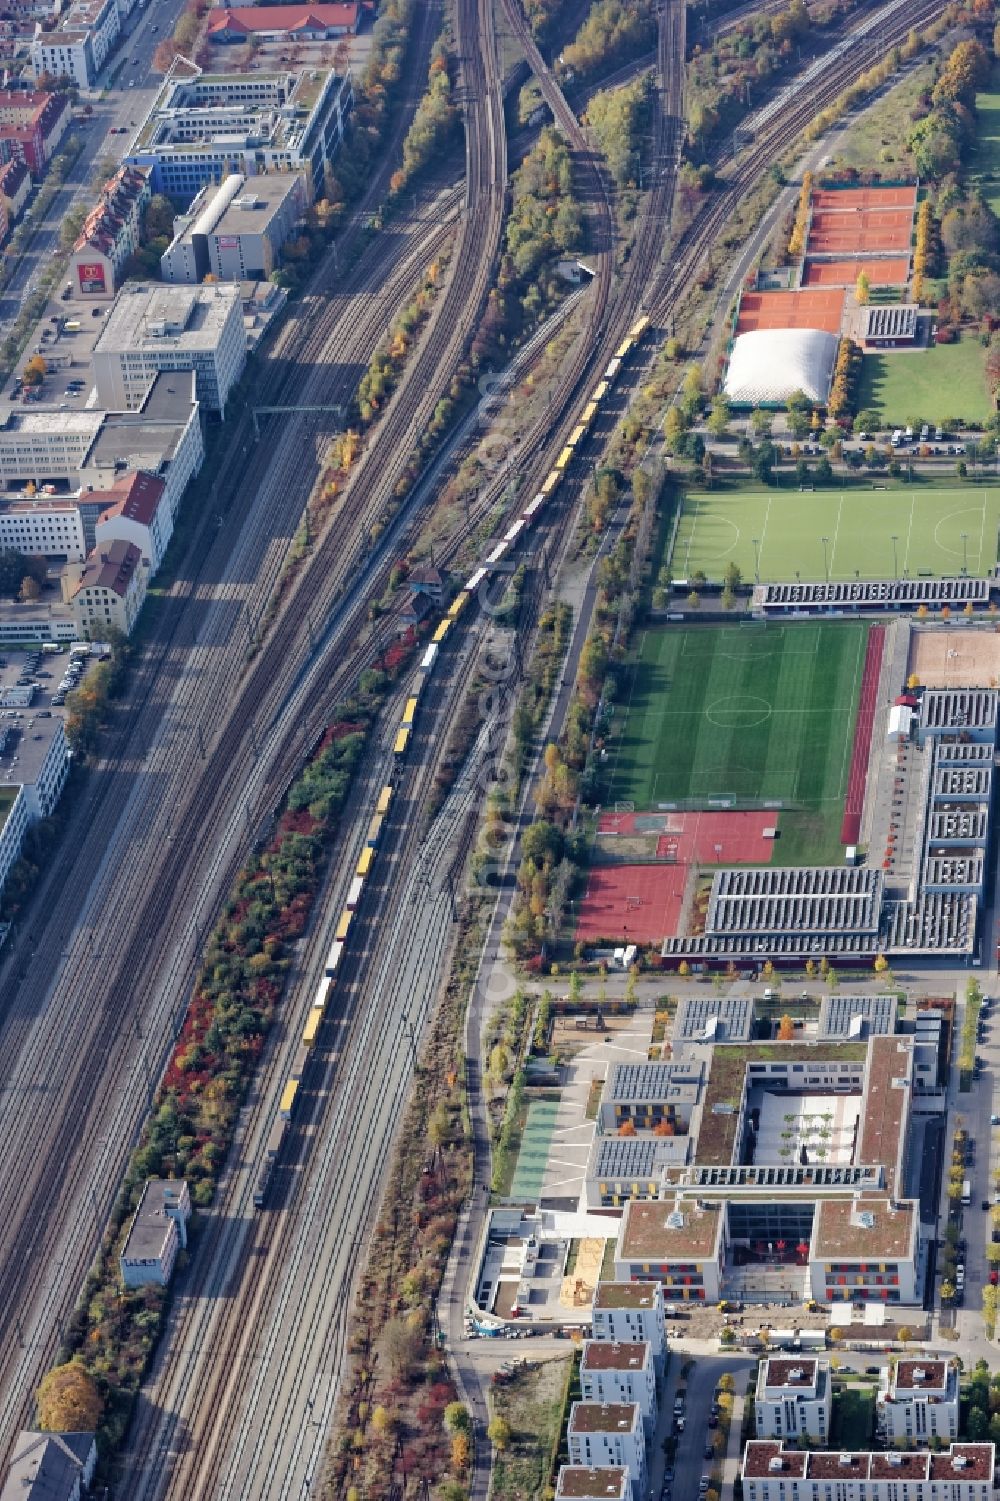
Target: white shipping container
x: 354, y: 895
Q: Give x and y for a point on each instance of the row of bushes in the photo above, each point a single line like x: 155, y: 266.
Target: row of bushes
x: 435, y: 121
x: 190, y: 1130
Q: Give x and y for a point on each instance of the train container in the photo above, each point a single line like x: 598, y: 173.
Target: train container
x: 496, y: 553
x: 515, y: 531
x: 344, y: 924
x: 532, y: 510
x: 624, y: 347
x: 287, y: 1103
x: 611, y: 373
x: 384, y: 799
x: 365, y: 862
x: 576, y: 436
x: 551, y: 480
x: 272, y: 1152
x: 429, y: 658
x: 473, y: 583
x: 410, y: 712
x: 564, y: 458
x: 588, y: 414
x: 458, y: 605
x: 311, y: 1028
x: 441, y: 632
x: 639, y: 327
x: 322, y: 992
x: 333, y: 961
x: 375, y: 831
x: 301, y: 1059
x: 354, y: 893
x: 599, y: 392
x: 402, y: 741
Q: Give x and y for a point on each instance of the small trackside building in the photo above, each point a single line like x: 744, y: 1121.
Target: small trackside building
x: 794, y: 1399
x: 593, y: 1483
x: 612, y: 1372
x: 964, y: 1472
x: 50, y: 1467
x: 609, y: 1433
x: 157, y: 1232
x: 628, y: 1312
x: 917, y: 1401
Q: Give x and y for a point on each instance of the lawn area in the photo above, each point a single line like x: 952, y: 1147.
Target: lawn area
x: 985, y: 161
x: 533, y: 1402
x: 757, y: 713
x: 937, y: 531
x: 939, y: 384
x: 853, y: 1412
x: 882, y: 133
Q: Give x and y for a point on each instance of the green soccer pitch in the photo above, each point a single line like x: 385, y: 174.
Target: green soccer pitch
x: 869, y: 533
x: 754, y: 713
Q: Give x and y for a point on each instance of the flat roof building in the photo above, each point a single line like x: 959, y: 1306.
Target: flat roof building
x: 202, y: 127
x: 793, y: 1399
x: 153, y: 328
x: 588, y: 1483
x: 630, y: 1311
x: 157, y: 1232
x: 235, y: 231
x: 613, y: 1372
x: 889, y: 325
x: 612, y: 1434
x: 964, y: 1472
x: 917, y: 1401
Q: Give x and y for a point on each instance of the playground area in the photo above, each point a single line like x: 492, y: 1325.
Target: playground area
x: 780, y: 535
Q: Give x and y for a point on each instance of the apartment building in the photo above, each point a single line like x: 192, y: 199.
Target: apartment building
x: 44, y: 528
x: 793, y: 1400
x: 585, y: 1483
x: 153, y: 328
x: 963, y: 1472
x: 235, y: 231
x: 82, y: 42
x: 31, y: 126
x: 157, y: 1232
x: 613, y: 1372
x: 609, y: 1433
x: 111, y: 234
x: 917, y: 1401
x: 202, y: 127
x: 136, y: 512
x: 15, y: 185
x: 108, y: 590
x: 630, y: 1312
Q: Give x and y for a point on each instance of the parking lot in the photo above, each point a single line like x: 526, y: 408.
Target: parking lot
x: 64, y: 338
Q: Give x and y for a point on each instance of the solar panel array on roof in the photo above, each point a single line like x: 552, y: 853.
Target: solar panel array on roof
x: 837, y: 1012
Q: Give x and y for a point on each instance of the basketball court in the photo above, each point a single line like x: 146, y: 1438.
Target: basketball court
x: 894, y: 271
x: 816, y: 307
x: 718, y: 838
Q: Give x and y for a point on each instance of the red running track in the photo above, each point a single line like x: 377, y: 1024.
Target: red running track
x: 854, y: 802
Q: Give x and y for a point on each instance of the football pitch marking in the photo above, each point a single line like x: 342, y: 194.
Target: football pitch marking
x: 738, y: 711
x: 956, y: 552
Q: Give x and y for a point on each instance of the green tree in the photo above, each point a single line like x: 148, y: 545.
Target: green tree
x: 456, y: 1418
x: 718, y: 417
x: 499, y: 1433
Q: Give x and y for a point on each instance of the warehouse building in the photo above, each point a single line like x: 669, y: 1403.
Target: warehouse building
x: 235, y: 231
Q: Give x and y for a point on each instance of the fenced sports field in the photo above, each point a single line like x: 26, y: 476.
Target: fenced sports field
x: 869, y: 533
x: 753, y: 713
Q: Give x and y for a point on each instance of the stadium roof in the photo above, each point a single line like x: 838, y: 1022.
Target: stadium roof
x: 768, y: 364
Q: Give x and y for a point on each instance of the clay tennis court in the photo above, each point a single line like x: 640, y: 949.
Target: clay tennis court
x: 859, y: 231
x: 632, y: 903
x: 817, y: 307
x: 894, y: 271
x: 955, y: 659
x: 849, y: 198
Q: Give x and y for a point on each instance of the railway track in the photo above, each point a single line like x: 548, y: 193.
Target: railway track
x: 162, y: 871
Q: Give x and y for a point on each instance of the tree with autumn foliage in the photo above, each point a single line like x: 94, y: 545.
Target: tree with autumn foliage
x: 68, y: 1400
x: 786, y: 1029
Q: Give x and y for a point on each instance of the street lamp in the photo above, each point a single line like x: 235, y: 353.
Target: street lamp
x: 756, y: 560
x: 826, y: 560
x: 895, y: 561
x: 965, y: 554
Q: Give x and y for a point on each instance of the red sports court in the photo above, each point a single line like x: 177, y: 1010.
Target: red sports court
x: 870, y: 197
x: 894, y: 271
x: 632, y: 903
x: 816, y: 307
x: 859, y: 231
x: 643, y: 903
